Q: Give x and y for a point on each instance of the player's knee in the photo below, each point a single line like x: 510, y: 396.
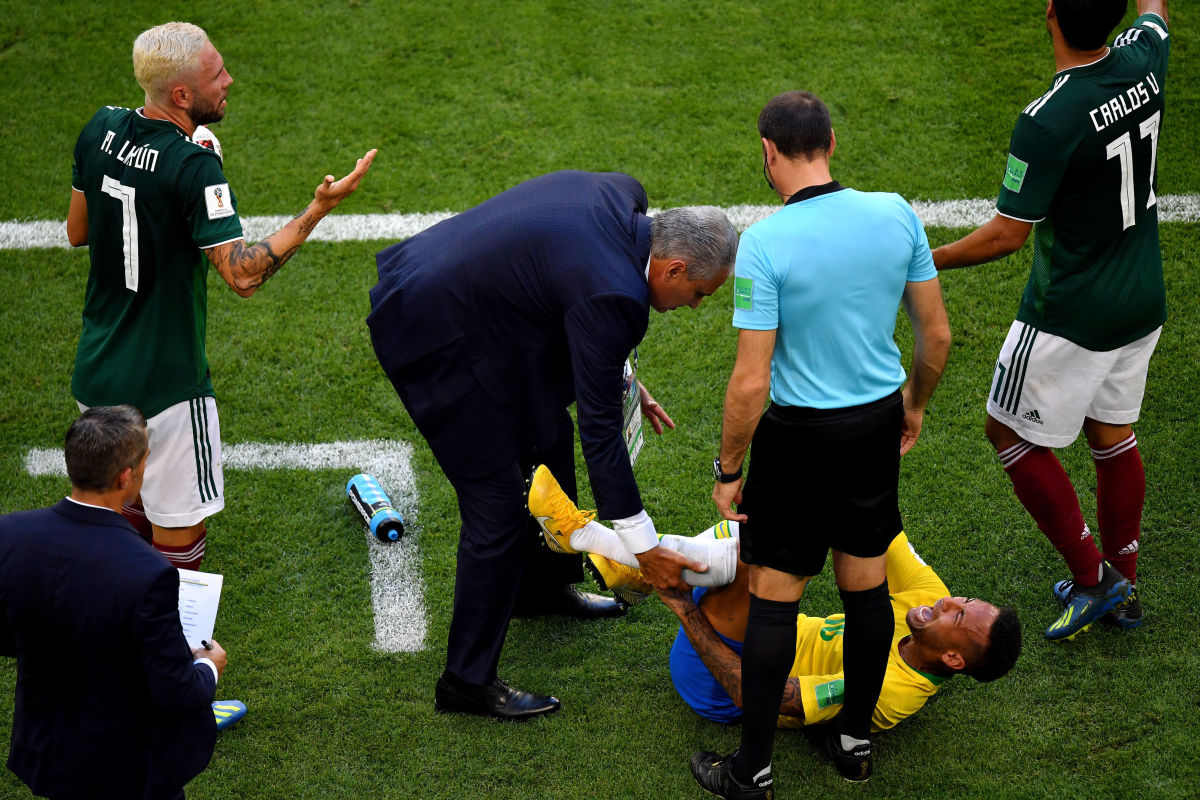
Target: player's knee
x: 1000, y: 435
x: 1101, y: 435
x: 179, y: 537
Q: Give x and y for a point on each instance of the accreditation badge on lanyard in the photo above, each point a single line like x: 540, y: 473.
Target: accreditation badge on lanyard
x: 631, y: 405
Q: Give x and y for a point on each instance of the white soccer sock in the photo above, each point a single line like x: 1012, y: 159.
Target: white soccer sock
x: 595, y: 538
x: 725, y: 529
x: 719, y: 553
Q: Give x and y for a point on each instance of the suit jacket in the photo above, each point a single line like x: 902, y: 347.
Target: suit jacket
x: 108, y: 701
x: 491, y: 323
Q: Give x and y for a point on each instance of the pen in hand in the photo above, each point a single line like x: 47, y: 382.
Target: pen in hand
x: 206, y: 644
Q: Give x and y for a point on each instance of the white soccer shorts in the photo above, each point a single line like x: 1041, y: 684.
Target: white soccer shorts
x: 1044, y: 385
x: 184, y: 483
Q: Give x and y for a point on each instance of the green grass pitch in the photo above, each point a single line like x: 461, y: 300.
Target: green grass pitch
x: 465, y: 99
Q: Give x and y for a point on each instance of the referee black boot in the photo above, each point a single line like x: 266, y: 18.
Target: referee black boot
x: 853, y: 764
x: 715, y: 775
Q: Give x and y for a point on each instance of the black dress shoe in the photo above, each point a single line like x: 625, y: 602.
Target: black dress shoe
x: 495, y: 699
x: 568, y: 601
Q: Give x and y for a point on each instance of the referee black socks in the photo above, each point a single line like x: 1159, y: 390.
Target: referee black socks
x: 767, y: 656
x: 865, y: 645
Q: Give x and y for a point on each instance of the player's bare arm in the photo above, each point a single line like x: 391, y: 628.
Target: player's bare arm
x: 718, y: 657
x: 995, y: 239
x: 745, y: 397
x: 792, y: 705
x: 1153, y: 7
x: 77, y: 220
x: 931, y: 348
x: 247, y: 268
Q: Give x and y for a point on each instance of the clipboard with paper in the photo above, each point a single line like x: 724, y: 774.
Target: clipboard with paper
x: 199, y: 596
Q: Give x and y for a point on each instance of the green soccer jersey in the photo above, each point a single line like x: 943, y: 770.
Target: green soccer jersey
x: 1081, y: 165
x: 155, y: 200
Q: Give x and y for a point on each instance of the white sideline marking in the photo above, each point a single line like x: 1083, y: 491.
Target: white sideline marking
x: 17, y: 235
x: 397, y: 591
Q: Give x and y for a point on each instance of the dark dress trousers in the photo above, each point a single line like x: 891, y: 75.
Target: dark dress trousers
x: 489, y: 325
x: 108, y: 701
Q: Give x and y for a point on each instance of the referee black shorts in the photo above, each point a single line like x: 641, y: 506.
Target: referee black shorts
x: 821, y: 479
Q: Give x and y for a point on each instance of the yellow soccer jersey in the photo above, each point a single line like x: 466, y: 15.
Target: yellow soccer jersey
x: 818, y: 663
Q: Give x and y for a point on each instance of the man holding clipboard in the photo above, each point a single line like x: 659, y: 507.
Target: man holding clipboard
x: 136, y: 721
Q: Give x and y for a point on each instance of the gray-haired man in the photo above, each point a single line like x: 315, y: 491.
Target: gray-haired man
x: 490, y: 325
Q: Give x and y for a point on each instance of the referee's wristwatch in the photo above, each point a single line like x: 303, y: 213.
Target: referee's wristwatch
x: 720, y: 476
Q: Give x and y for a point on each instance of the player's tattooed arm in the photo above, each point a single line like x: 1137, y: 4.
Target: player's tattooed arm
x: 792, y: 704
x: 247, y: 268
x: 720, y: 659
x: 724, y: 664
x: 308, y: 221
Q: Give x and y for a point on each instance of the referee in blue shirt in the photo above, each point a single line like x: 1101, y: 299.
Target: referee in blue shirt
x: 816, y: 289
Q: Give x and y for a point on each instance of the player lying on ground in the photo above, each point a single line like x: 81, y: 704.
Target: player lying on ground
x: 936, y: 636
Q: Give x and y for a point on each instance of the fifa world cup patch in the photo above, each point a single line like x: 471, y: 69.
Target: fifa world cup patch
x: 1014, y: 173
x: 743, y: 293
x: 218, y: 201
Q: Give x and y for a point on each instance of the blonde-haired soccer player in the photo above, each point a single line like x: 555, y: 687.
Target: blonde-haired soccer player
x: 155, y: 209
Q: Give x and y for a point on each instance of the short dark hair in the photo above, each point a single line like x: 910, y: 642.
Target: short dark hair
x: 1002, y: 650
x: 798, y: 123
x: 103, y: 441
x: 1086, y: 24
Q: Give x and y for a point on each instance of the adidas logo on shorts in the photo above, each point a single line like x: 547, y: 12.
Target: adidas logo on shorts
x: 1033, y: 416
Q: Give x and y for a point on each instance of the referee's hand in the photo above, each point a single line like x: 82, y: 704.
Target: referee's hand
x: 910, y: 428
x: 726, y: 495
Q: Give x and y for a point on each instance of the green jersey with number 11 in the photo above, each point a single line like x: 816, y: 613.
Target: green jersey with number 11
x: 155, y: 200
x: 1081, y: 165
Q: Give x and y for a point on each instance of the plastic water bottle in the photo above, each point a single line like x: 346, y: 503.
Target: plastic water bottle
x: 373, y: 505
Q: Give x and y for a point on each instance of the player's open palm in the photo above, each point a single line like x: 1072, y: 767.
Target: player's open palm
x: 331, y: 192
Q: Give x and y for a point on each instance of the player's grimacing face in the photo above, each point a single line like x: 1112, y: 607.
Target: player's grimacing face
x: 953, y: 623
x: 210, y: 87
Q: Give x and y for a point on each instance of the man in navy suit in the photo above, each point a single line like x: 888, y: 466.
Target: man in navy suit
x: 131, y: 719
x: 489, y: 325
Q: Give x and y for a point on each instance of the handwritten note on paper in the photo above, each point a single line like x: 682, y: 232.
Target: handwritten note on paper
x: 199, y: 596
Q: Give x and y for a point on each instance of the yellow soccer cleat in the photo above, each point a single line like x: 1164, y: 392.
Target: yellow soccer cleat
x: 625, y: 582
x: 556, y: 515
